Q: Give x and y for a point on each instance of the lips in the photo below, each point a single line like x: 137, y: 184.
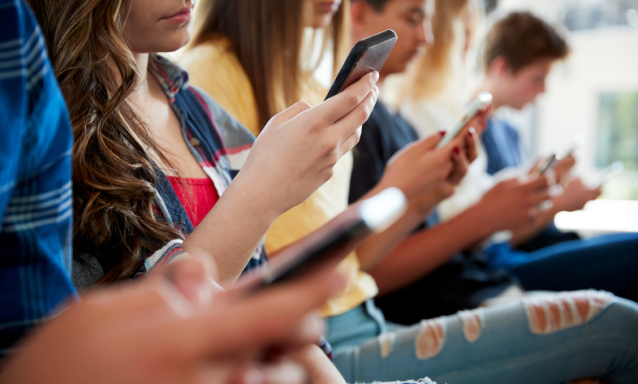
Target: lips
x: 183, y: 16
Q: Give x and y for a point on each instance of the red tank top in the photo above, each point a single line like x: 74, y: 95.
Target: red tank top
x: 198, y: 196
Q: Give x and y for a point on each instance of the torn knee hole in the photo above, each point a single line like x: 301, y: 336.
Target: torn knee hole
x: 472, y: 324
x: 552, y: 313
x: 431, y: 338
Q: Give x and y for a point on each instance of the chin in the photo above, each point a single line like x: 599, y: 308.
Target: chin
x: 173, y: 44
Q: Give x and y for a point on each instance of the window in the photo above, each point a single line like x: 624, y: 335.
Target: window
x: 617, y: 140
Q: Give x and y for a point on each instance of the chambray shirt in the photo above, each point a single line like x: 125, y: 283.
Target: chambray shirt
x: 35, y: 179
x: 219, y: 143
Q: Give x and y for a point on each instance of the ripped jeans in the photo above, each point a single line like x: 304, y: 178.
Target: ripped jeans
x: 548, y: 339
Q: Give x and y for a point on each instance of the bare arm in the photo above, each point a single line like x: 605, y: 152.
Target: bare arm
x: 509, y: 204
x: 422, y: 253
x: 294, y: 155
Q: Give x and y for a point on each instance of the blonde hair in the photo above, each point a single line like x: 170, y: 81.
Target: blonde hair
x: 431, y: 72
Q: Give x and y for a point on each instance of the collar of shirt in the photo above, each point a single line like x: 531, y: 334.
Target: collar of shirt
x: 171, y: 77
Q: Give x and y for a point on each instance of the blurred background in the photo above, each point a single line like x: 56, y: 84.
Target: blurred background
x: 593, y: 93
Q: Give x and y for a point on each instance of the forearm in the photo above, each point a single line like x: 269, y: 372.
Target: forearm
x: 422, y: 253
x: 231, y: 232
x: 319, y: 368
x: 379, y: 245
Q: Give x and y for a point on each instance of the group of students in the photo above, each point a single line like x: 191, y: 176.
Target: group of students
x: 187, y: 176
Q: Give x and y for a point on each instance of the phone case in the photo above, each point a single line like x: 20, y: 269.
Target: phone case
x: 366, y: 56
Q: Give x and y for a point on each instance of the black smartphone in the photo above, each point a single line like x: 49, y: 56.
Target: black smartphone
x: 366, y: 56
x: 336, y: 239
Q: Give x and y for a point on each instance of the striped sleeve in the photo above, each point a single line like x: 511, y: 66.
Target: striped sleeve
x: 35, y: 180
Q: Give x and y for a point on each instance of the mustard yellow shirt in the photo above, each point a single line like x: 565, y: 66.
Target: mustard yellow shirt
x: 215, y: 69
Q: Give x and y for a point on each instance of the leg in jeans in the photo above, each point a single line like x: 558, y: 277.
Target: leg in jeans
x: 553, y: 339
x: 607, y: 263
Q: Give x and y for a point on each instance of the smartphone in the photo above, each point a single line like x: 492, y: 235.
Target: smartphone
x: 546, y: 164
x: 610, y: 172
x: 336, y: 239
x: 482, y: 101
x: 579, y: 140
x: 368, y: 55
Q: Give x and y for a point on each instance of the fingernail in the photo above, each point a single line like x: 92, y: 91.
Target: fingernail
x: 376, y: 89
x: 442, y: 133
x: 456, y: 150
x: 471, y: 131
x: 375, y: 75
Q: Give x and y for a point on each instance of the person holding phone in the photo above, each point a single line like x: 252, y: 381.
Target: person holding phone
x: 484, y: 345
x: 504, y: 207
x: 121, y: 334
x: 173, y: 150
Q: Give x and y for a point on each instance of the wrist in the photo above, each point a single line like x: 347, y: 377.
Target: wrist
x: 246, y: 199
x: 483, y: 217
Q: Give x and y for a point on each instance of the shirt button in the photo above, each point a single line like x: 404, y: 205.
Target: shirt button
x: 195, y: 141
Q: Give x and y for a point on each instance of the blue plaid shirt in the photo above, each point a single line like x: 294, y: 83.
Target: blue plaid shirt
x: 35, y: 179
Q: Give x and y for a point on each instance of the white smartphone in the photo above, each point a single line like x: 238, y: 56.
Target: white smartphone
x: 578, y: 142
x: 483, y: 100
x: 610, y: 172
x: 546, y: 164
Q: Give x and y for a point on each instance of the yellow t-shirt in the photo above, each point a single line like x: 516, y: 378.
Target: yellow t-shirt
x: 215, y: 69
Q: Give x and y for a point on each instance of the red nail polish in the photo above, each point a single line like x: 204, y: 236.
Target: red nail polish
x: 442, y: 133
x: 456, y: 150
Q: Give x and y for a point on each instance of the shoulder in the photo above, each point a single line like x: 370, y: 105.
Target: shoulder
x: 214, y: 59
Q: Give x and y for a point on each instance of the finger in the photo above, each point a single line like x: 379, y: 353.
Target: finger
x: 429, y: 143
x: 349, y: 142
x: 539, y: 197
x: 460, y: 163
x: 356, y: 117
x: 538, y: 183
x: 280, y: 309
x: 283, y: 373
x: 290, y: 113
x: 191, y: 278
x: 338, y: 106
x: 471, y: 146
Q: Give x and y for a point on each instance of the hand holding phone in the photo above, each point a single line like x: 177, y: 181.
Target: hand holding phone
x: 482, y: 101
x: 368, y: 55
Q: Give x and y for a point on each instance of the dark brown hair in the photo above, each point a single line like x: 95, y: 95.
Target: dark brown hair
x: 267, y: 36
x: 522, y: 38
x: 113, y: 175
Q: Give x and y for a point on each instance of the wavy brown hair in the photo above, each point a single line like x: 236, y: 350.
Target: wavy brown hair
x: 267, y: 36
x: 114, y: 177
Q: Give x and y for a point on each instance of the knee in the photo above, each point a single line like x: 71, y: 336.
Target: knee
x: 555, y: 312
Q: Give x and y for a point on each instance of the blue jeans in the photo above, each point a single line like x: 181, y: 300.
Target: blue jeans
x: 502, y: 344
x: 608, y: 263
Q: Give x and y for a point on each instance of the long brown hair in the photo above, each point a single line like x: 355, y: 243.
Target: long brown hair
x: 114, y: 177
x: 431, y: 71
x: 267, y: 36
